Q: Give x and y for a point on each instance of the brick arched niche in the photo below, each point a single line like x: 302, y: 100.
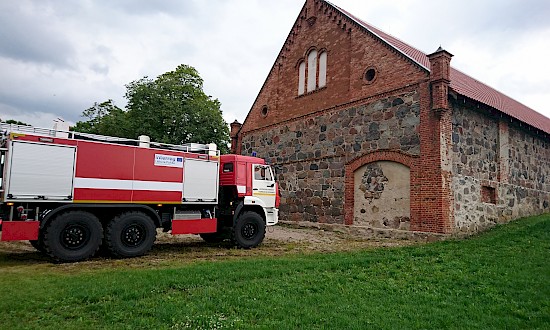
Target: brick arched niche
x: 380, y: 190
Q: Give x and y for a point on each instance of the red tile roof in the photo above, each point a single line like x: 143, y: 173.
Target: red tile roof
x: 461, y: 82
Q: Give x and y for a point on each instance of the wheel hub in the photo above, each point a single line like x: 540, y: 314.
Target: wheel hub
x: 74, y: 236
x: 133, y: 235
x: 249, y: 231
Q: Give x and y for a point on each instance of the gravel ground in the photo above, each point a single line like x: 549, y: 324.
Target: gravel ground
x: 181, y: 249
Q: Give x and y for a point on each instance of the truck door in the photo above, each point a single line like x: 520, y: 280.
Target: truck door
x: 263, y: 184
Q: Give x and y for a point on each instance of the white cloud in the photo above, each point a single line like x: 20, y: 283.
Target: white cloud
x: 60, y: 57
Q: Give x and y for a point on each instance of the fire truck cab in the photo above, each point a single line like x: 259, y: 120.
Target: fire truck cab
x: 72, y: 193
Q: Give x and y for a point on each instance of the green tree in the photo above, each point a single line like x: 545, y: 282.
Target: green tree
x: 16, y: 122
x: 174, y: 109
x: 106, y: 119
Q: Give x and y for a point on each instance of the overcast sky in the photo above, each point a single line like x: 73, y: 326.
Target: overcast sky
x: 58, y: 57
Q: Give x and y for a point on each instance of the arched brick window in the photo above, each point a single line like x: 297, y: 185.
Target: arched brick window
x: 312, y: 70
x: 302, y: 78
x: 322, y: 69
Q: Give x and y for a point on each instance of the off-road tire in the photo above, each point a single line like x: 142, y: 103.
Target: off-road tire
x: 214, y: 237
x: 130, y: 234
x: 72, y: 236
x: 248, y: 230
x: 39, y: 243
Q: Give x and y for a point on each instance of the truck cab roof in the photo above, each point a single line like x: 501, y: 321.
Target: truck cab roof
x: 248, y: 159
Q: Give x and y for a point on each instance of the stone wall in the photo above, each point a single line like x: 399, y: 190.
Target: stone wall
x: 475, y: 145
x: 526, y: 188
x: 500, y: 172
x: 310, y: 154
x: 529, y: 159
x: 475, y: 141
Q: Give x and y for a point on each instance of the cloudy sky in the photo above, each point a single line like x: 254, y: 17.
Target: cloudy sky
x: 58, y: 57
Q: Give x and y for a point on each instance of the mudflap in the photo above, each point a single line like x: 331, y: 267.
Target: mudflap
x: 198, y: 226
x: 20, y: 230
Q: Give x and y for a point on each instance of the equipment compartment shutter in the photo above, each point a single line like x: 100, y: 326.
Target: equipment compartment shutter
x: 41, y: 170
x: 200, y: 181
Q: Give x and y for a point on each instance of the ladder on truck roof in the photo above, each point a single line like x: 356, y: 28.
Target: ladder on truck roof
x: 5, y: 128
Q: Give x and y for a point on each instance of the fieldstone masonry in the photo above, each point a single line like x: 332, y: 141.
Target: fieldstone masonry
x: 487, y: 152
x: 310, y: 155
x: 372, y: 182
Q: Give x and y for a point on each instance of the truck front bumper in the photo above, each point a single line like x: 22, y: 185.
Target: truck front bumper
x: 271, y: 216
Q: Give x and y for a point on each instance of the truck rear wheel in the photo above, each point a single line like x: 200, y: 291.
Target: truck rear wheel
x: 248, y: 230
x: 73, y: 236
x: 130, y: 234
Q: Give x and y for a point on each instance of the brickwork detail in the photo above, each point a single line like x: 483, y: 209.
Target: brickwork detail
x: 431, y: 198
x: 439, y: 78
x: 350, y: 52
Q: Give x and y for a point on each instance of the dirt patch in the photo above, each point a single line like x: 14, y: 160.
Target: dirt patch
x: 176, y: 250
x: 322, y: 240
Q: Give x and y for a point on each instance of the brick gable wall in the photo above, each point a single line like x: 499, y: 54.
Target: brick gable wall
x: 351, y: 51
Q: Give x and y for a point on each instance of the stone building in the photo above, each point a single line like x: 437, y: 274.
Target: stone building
x: 366, y: 130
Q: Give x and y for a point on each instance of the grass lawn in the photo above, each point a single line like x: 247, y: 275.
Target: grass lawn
x: 499, y: 279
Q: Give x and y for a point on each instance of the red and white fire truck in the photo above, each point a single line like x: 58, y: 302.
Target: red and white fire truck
x: 72, y: 193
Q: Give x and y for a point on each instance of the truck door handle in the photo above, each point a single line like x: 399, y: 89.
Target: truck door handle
x: 255, y: 189
x: 271, y: 185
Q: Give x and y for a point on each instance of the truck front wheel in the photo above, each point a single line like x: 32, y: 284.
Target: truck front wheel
x: 213, y: 237
x: 73, y: 236
x: 130, y: 234
x: 39, y: 243
x: 248, y: 230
